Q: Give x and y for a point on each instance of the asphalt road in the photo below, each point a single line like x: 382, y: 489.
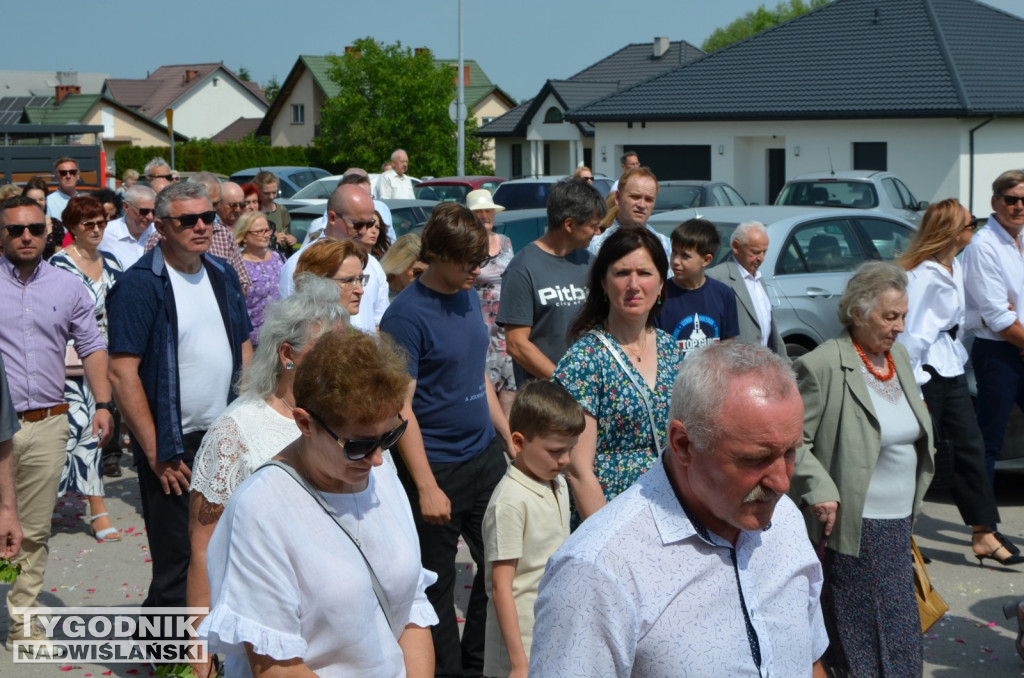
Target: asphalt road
x: 972, y: 640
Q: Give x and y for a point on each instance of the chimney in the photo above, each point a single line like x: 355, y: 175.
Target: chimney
x: 661, y: 46
x: 190, y: 74
x: 67, y: 83
x: 465, y: 75
x: 349, y: 49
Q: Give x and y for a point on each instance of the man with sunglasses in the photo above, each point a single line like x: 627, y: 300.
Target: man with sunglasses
x: 126, y: 237
x: 179, y: 335
x: 993, y: 267
x: 65, y: 171
x: 349, y: 211
x: 41, y: 308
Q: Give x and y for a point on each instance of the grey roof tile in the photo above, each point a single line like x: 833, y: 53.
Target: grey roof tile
x: 849, y: 58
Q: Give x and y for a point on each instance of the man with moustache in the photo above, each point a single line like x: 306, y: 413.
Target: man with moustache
x: 179, y: 335
x: 703, y: 567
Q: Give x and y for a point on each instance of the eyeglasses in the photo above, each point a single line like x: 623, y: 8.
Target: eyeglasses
x: 1011, y: 200
x: 479, y: 264
x: 590, y: 179
x: 143, y: 211
x: 362, y: 448
x: 89, y: 225
x: 16, y: 230
x: 261, y: 233
x: 971, y: 225
x: 236, y: 205
x: 174, y: 179
x: 350, y: 282
x: 358, y: 225
x: 190, y: 220
x: 168, y: 177
x: 68, y: 173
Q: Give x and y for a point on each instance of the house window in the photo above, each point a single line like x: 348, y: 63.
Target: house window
x: 298, y: 114
x: 517, y: 160
x: 553, y: 115
x: 870, y: 155
x: 486, y: 120
x: 547, y: 159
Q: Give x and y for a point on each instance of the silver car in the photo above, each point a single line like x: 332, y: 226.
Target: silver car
x: 858, y: 189
x: 812, y: 252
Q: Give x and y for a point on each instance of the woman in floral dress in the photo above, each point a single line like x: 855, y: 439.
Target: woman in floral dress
x: 85, y: 219
x: 253, y: 234
x: 488, y: 286
x: 621, y: 370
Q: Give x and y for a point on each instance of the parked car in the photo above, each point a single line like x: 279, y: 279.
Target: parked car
x: 812, y: 252
x: 683, y: 194
x: 532, y: 193
x: 313, y: 193
x: 454, y: 189
x: 290, y: 179
x: 859, y: 189
x: 521, y: 226
x: 406, y: 215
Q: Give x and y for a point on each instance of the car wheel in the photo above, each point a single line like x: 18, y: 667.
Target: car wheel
x: 794, y: 351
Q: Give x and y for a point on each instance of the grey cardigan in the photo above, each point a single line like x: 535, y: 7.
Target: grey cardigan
x: 842, y: 438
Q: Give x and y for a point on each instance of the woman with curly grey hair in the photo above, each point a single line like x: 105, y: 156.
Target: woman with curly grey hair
x: 259, y: 423
x: 861, y: 476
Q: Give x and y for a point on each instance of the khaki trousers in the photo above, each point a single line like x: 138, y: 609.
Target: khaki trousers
x: 39, y: 453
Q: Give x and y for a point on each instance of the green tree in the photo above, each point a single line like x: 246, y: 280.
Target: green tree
x: 271, y: 89
x: 243, y: 74
x: 391, y: 97
x: 758, y: 20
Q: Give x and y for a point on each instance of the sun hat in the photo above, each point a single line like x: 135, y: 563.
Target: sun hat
x: 480, y: 199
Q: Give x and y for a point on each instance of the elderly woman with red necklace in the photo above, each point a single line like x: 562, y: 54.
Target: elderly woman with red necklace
x: 861, y: 476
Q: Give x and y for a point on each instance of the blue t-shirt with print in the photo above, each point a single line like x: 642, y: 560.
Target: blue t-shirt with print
x: 700, y: 317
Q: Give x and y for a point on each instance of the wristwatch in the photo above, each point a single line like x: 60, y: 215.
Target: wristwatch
x: 108, y: 406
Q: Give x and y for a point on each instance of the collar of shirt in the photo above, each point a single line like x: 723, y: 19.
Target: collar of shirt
x: 1001, y: 234
x: 538, y: 487
x: 745, y: 274
x: 10, y: 270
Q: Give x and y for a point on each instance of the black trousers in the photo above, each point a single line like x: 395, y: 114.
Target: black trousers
x: 1000, y: 374
x: 956, y: 428
x: 469, y: 485
x: 166, y: 518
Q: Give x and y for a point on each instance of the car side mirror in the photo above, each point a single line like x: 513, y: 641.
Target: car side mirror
x: 923, y: 205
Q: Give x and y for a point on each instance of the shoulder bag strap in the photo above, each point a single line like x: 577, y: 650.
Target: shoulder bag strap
x: 377, y: 589
x: 639, y: 386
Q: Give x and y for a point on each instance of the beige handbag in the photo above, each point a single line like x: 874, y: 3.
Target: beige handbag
x: 929, y: 602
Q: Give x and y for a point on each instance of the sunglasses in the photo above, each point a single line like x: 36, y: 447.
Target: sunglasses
x: 190, y: 220
x: 16, y: 230
x: 480, y: 264
x: 1011, y: 200
x: 68, y: 173
x: 168, y: 177
x: 143, y: 211
x: 362, y: 448
x: 236, y: 205
x: 972, y: 225
x: 89, y: 225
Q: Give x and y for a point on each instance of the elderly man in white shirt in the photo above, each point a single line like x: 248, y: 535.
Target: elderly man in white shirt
x: 395, y: 183
x: 703, y: 567
x: 126, y: 237
x: 742, y: 272
x: 994, y: 290
x: 348, y: 209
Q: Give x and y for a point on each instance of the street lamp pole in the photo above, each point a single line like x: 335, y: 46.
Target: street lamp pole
x: 461, y: 106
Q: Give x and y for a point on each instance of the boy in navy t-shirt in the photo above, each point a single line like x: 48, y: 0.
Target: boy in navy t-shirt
x: 698, y: 311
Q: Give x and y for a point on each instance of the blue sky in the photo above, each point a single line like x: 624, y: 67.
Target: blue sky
x: 519, y: 44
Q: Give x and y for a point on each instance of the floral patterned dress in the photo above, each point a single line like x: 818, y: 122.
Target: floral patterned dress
x: 625, y: 442
x: 488, y: 286
x: 265, y: 276
x: 82, y: 466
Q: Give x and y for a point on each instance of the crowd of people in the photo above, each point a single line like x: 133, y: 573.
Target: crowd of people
x: 609, y: 425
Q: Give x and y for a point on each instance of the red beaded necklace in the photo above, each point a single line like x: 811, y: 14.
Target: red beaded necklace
x: 890, y: 365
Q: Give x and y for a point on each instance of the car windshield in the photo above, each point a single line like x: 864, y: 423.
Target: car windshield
x: 677, y: 198
x: 522, y: 196
x: 829, y: 193
x: 442, y: 192
x: 318, y: 190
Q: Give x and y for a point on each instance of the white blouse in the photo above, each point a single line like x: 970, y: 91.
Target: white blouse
x: 935, y: 303
x: 247, y: 434
x: 286, y: 579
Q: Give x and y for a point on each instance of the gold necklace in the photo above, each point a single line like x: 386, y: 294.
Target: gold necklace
x: 643, y: 348
x: 83, y: 257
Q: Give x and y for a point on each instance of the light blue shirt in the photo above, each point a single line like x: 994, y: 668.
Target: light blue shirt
x: 636, y: 591
x: 993, y: 281
x: 118, y: 240
x: 597, y: 240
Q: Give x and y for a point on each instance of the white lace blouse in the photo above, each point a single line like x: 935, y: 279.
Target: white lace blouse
x: 246, y: 435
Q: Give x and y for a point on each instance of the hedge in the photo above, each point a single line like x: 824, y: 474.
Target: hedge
x: 226, y: 158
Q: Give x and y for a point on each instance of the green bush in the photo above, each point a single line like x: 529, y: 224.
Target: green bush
x: 226, y: 158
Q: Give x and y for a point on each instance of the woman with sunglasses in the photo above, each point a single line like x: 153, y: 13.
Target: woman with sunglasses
x: 934, y: 325
x: 259, y: 423
x: 85, y: 219
x: 291, y: 587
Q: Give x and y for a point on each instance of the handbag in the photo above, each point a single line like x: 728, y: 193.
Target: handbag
x: 385, y: 607
x: 640, y: 388
x: 929, y: 603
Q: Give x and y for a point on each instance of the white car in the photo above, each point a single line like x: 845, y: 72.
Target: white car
x: 858, y: 189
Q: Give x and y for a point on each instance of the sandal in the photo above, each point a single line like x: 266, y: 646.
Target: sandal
x: 110, y: 534
x: 1007, y: 543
